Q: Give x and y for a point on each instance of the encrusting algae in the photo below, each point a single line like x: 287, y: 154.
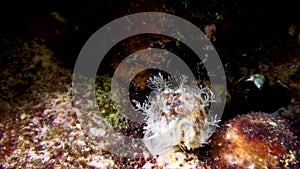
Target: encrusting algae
x: 255, y: 140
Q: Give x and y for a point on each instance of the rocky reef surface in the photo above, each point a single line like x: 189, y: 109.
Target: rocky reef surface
x: 40, y: 127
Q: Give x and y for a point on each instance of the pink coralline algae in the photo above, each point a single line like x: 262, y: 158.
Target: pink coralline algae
x: 210, y: 31
x: 255, y: 140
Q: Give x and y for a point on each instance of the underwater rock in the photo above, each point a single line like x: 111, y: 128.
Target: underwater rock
x: 176, y: 160
x: 255, y: 140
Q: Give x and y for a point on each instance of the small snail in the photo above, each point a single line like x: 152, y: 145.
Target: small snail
x: 257, y: 79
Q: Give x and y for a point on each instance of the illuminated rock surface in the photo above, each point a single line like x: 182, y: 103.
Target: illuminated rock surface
x: 255, y: 140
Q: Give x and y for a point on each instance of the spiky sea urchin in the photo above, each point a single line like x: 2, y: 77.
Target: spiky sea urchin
x: 176, y: 115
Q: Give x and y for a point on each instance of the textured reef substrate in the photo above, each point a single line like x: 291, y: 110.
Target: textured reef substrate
x: 39, y: 126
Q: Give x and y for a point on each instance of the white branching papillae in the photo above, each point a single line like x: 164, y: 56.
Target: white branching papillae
x: 176, y: 115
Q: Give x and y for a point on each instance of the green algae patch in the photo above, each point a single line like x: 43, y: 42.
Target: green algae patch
x: 107, y: 107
